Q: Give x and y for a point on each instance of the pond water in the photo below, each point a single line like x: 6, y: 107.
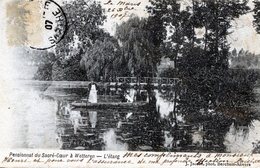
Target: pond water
x: 40, y: 121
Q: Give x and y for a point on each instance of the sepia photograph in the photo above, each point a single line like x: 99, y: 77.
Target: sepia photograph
x: 131, y: 75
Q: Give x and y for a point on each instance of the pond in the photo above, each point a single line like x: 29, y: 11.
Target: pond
x: 45, y: 119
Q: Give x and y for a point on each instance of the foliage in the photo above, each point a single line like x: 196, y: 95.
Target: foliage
x: 201, y: 62
x: 140, y: 53
x: 216, y: 19
x: 256, y: 15
x: 44, y: 60
x: 176, y: 23
x: 68, y: 70
x: 243, y: 59
x: 83, y: 19
x: 100, y: 60
x: 44, y: 72
x: 169, y: 73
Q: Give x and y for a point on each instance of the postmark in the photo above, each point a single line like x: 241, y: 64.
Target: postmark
x: 53, y: 25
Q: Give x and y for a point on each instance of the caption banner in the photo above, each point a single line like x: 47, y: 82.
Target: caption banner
x: 52, y: 158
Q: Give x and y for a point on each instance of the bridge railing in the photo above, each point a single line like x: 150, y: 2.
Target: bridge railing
x: 155, y: 80
x: 85, y: 84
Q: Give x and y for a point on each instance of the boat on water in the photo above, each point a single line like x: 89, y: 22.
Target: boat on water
x: 108, y: 105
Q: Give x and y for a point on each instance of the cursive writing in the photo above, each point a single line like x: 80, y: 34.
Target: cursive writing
x: 120, y: 9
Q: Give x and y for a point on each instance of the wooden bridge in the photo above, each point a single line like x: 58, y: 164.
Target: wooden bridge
x: 146, y: 80
x: 132, y: 81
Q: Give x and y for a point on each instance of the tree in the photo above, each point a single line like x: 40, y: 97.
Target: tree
x: 201, y: 63
x: 69, y: 70
x: 243, y: 59
x: 100, y: 60
x: 45, y: 61
x: 217, y: 24
x: 140, y: 53
x: 179, y: 29
x: 256, y: 15
x: 84, y: 19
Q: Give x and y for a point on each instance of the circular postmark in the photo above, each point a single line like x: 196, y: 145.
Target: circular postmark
x: 53, y: 25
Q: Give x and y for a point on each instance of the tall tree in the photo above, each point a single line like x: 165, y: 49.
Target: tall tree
x: 84, y: 19
x: 219, y: 14
x: 100, y: 60
x: 201, y: 63
x: 140, y: 54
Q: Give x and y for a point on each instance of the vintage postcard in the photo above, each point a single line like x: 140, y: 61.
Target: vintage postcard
x: 134, y: 83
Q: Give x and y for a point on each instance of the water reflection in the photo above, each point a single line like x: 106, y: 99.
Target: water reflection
x: 93, y: 118
x: 32, y: 121
x: 243, y: 139
x: 168, y: 140
x: 109, y: 128
x: 111, y: 142
x: 147, y: 125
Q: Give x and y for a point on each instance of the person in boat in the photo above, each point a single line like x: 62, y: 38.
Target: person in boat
x: 92, y: 83
x: 92, y: 98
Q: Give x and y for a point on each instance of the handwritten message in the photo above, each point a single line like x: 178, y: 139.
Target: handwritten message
x: 150, y: 159
x: 120, y: 9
